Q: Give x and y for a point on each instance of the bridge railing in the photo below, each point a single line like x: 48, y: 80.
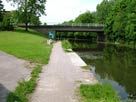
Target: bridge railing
x: 83, y: 24
x: 69, y: 26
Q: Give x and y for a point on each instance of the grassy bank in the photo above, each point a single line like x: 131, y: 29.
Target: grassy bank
x: 30, y: 46
x: 27, y: 45
x: 25, y: 87
x: 98, y: 93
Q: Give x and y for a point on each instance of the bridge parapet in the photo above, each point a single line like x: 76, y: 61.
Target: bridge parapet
x: 70, y: 27
x: 83, y: 25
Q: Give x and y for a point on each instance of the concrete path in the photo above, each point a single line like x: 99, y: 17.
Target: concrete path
x: 60, y: 78
x: 12, y: 70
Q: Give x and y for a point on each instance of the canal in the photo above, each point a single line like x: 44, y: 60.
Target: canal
x: 111, y: 64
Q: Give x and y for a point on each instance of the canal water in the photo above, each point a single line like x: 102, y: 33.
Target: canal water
x: 111, y: 64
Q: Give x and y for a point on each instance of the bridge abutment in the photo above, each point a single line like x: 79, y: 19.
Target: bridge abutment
x: 100, y: 37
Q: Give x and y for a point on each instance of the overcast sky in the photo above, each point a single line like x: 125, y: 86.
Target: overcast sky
x: 58, y: 11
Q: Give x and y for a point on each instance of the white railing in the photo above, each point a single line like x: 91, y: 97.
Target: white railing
x: 82, y: 24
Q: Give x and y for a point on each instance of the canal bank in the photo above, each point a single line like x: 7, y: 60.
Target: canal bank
x: 61, y: 77
x: 88, y: 92
x: 111, y: 64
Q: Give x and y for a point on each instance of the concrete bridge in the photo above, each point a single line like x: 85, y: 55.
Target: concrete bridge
x: 98, y: 28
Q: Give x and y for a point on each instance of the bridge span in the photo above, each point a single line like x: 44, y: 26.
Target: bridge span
x: 98, y: 28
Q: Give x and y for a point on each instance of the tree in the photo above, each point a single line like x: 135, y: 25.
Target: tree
x: 1, y: 11
x: 35, y: 20
x: 86, y: 17
x: 120, y: 24
x: 103, y: 10
x: 29, y: 11
x: 1, y: 14
x: 7, y: 23
x: 131, y: 21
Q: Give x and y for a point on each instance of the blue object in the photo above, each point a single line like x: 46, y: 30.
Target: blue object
x: 51, y: 35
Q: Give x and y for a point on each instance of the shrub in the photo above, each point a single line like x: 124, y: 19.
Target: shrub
x: 66, y: 45
x: 6, y: 23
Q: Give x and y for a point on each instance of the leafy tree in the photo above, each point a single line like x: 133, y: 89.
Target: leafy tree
x: 94, y: 14
x: 68, y: 22
x: 131, y: 21
x: 120, y: 24
x: 29, y: 11
x: 7, y: 23
x: 35, y: 20
x: 44, y: 23
x: 86, y: 17
x: 1, y: 10
x: 103, y: 10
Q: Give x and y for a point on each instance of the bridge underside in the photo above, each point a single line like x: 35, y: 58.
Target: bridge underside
x: 100, y: 34
x: 59, y: 28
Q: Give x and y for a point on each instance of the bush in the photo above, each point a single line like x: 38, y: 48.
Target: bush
x: 6, y: 23
x: 66, y: 45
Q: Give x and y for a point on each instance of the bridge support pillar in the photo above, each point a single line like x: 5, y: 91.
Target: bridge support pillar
x: 100, y: 37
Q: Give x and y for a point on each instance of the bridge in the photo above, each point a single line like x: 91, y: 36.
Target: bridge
x: 98, y: 28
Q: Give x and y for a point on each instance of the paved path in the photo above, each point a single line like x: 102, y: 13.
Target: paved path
x: 60, y: 78
x: 12, y: 70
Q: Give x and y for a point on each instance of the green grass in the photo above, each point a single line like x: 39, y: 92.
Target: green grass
x: 27, y: 45
x: 87, y: 67
x: 98, y: 93
x: 24, y: 88
x: 30, y: 46
x: 66, y: 45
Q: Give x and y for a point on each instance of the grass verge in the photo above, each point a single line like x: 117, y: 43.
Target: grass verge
x: 98, y: 93
x: 25, y: 87
x: 66, y: 45
x: 87, y: 67
x: 26, y: 45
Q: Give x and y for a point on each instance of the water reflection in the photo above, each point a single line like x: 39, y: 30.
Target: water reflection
x: 113, y: 64
x: 120, y: 89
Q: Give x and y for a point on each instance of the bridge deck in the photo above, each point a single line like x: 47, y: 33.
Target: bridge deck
x: 78, y: 28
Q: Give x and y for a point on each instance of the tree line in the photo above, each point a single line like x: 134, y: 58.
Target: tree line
x: 120, y: 20
x: 28, y: 12
x: 84, y: 18
x: 118, y: 17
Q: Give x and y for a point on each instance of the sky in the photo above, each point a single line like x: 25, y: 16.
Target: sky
x: 58, y: 11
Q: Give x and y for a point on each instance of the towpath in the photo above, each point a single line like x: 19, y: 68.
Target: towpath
x: 61, y: 77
